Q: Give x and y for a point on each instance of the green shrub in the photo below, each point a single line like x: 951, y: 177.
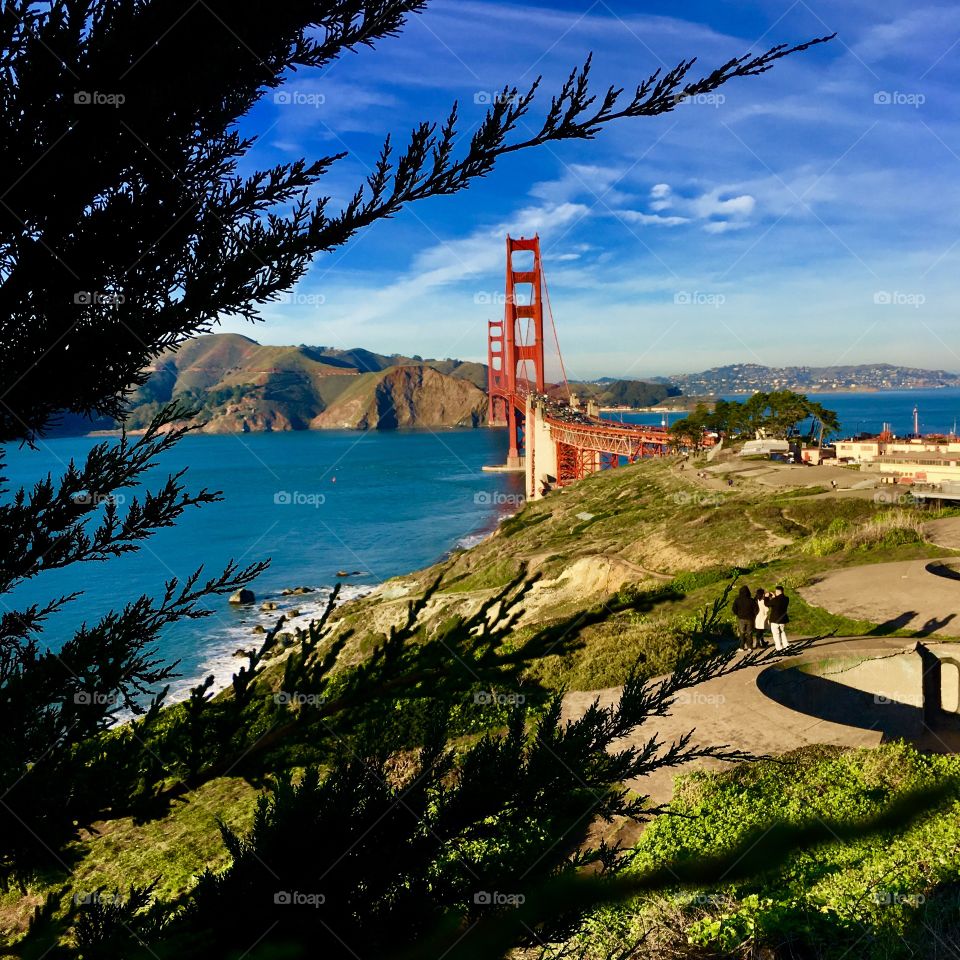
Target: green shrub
x: 822, y: 544
x: 828, y: 897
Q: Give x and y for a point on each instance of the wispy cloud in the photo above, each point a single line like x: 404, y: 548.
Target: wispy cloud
x: 798, y: 196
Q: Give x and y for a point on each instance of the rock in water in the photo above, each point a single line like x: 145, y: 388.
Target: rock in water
x: 243, y: 596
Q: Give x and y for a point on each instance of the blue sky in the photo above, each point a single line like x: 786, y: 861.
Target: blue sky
x: 806, y: 216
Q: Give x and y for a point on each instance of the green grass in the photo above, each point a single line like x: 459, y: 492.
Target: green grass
x: 490, y: 577
x: 876, y: 896
x: 173, y: 848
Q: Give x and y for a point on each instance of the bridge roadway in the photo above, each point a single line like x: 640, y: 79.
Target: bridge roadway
x: 563, y: 444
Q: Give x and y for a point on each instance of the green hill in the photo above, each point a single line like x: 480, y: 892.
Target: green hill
x: 239, y: 385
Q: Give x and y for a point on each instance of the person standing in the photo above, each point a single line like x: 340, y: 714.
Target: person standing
x: 760, y: 620
x: 745, y: 610
x: 778, y: 618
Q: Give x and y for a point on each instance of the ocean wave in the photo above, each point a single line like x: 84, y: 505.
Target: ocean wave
x: 220, y: 660
x: 472, y: 540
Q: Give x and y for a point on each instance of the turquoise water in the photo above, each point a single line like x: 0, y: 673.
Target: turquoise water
x: 865, y: 412
x: 314, y: 502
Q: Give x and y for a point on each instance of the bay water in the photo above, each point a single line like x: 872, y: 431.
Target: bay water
x: 315, y: 503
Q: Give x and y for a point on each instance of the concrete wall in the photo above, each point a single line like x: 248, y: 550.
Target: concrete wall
x: 897, y: 678
x: 899, y: 694
x: 947, y: 682
x: 541, y: 451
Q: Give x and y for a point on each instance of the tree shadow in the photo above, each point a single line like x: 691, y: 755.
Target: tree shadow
x: 943, y: 568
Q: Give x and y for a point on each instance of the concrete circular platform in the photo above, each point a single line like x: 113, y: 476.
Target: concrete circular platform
x: 909, y: 595
x: 944, y: 533
x: 769, y: 710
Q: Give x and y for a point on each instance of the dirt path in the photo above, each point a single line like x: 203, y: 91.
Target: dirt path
x: 776, y: 540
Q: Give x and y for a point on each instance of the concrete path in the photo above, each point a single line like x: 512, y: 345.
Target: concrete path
x: 732, y: 710
x: 910, y: 594
x: 944, y: 533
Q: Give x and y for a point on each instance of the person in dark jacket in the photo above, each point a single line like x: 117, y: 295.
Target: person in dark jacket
x: 745, y: 609
x: 778, y: 617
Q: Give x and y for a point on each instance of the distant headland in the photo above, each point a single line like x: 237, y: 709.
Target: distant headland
x: 238, y: 385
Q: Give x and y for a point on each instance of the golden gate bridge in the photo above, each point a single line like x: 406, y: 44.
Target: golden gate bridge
x: 552, y: 438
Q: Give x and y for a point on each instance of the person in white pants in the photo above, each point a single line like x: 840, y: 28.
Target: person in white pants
x: 778, y: 617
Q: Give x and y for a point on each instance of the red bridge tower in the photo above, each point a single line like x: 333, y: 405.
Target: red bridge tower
x: 514, y: 345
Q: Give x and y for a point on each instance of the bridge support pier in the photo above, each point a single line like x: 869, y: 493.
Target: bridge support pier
x: 542, y: 469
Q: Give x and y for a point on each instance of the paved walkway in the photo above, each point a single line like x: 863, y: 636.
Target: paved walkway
x: 908, y: 594
x: 732, y: 710
x: 944, y: 533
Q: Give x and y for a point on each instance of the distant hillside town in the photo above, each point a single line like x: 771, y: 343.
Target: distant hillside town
x: 750, y: 377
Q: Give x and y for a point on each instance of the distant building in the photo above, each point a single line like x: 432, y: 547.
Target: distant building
x: 924, y: 460
x: 762, y: 447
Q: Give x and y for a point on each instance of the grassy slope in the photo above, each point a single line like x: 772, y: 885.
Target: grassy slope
x: 878, y: 896
x: 648, y: 517
x: 658, y: 528
x: 173, y: 849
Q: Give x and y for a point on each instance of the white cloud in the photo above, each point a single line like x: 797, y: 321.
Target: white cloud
x: 718, y: 211
x: 591, y: 182
x: 650, y: 219
x: 925, y: 31
x: 478, y: 255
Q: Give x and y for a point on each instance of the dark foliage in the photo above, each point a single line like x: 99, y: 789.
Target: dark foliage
x: 376, y: 858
